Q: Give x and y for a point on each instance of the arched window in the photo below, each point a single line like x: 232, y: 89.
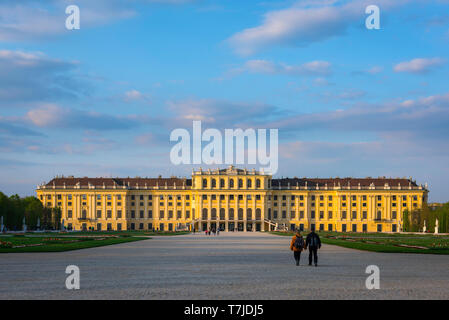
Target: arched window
x: 204, y: 183
x: 249, y: 214
x: 222, y: 183
x: 222, y: 214
x: 240, y: 183
x: 379, y: 215
x: 204, y: 214
x: 214, y: 183
x: 249, y: 183
x: 258, y: 214
x: 240, y: 214
x: 258, y: 183
x: 231, y: 214
x: 214, y: 214
x: 231, y: 183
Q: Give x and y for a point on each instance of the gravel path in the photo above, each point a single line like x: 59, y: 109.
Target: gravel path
x: 230, y: 266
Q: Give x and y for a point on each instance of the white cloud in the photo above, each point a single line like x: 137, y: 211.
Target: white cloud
x: 33, y: 76
x: 302, y: 25
x: 53, y: 116
x: 419, y: 65
x: 313, y: 68
x: 31, y: 19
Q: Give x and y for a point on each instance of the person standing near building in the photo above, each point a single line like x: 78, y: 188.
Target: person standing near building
x: 313, y: 242
x: 297, y: 245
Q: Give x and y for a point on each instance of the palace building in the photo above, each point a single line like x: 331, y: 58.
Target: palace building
x: 233, y: 199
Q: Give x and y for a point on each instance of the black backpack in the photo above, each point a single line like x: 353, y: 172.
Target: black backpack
x: 299, y: 243
x: 313, y: 241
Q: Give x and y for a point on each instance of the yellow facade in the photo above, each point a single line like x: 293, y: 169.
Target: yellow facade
x: 233, y: 200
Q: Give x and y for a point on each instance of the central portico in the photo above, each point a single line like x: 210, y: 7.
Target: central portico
x: 220, y: 204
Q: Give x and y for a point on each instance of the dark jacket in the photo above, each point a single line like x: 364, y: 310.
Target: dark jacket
x: 309, y: 240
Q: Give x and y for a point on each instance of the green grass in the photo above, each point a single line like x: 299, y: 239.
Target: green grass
x: 65, y: 241
x: 110, y: 233
x: 383, y: 242
x: 58, y: 244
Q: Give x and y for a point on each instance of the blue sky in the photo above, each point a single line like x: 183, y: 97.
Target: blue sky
x: 102, y: 100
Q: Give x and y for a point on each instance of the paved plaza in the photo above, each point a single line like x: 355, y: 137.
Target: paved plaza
x: 229, y: 266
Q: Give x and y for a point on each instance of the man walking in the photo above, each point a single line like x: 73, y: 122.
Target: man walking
x: 313, y: 242
x: 296, y: 245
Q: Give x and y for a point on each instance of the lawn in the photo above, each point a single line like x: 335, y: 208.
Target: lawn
x: 12, y: 244
x: 383, y: 242
x: 65, y: 241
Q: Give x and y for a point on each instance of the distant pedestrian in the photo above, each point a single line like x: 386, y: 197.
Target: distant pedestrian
x: 313, y: 242
x: 297, y: 245
x: 218, y: 231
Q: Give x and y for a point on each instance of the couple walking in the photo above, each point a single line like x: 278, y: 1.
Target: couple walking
x: 312, y: 242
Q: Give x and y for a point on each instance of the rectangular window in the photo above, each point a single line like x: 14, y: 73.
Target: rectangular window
x: 119, y: 214
x: 301, y: 214
x: 141, y: 214
x: 150, y: 214
x: 69, y: 214
x: 109, y: 214
x: 312, y: 214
